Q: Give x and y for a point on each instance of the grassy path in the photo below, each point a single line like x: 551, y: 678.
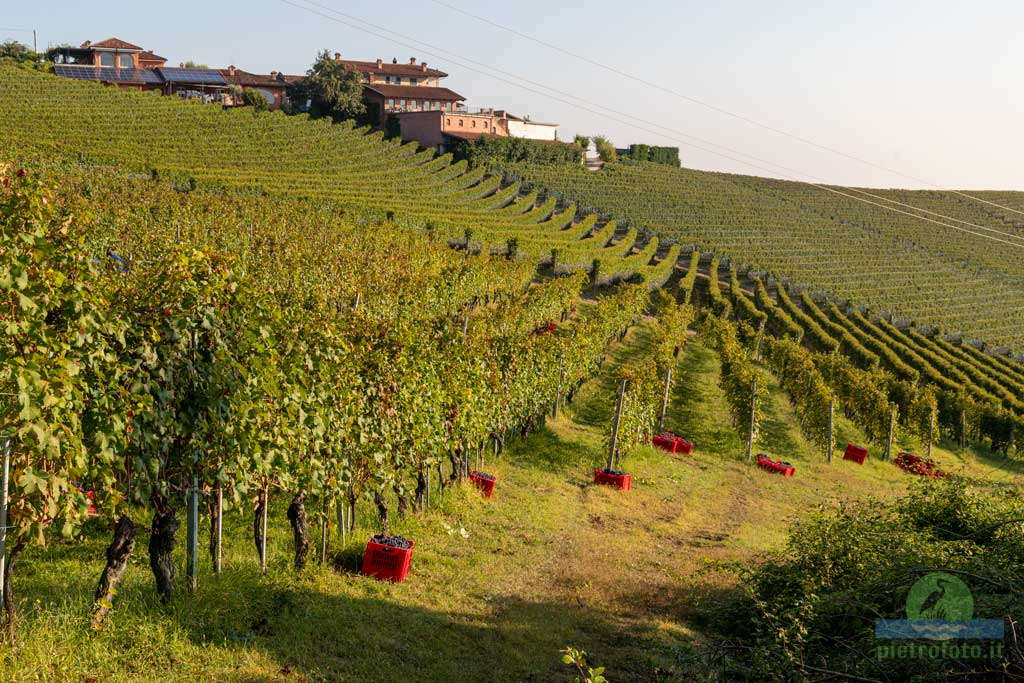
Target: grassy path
x: 497, y: 588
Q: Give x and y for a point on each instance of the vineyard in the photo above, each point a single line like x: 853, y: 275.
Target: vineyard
x: 894, y: 263
x: 299, y: 335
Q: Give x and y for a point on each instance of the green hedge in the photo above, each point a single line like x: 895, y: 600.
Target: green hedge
x: 659, y: 155
x: 488, y: 150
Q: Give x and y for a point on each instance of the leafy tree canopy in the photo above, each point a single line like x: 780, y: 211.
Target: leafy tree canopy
x: 331, y: 89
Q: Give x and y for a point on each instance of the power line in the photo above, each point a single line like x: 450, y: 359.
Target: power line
x: 445, y: 54
x: 713, y: 107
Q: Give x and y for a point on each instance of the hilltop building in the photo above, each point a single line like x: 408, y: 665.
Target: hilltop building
x: 427, y: 111
x: 443, y: 130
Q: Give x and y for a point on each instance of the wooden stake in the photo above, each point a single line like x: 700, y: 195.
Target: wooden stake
x: 263, y: 524
x: 753, y: 417
x: 218, y: 531
x: 831, y: 426
x: 892, y: 433
x: 664, y: 401
x: 615, y: 426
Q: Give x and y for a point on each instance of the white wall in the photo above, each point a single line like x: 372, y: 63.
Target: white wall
x: 533, y: 131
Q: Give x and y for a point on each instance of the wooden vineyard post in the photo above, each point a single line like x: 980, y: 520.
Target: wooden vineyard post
x: 426, y: 494
x: 760, y: 339
x: 218, y: 530
x: 664, y: 401
x: 892, y: 433
x: 615, y: 426
x: 263, y: 528
x: 323, y: 531
x: 931, y: 429
x: 192, y: 534
x: 963, y: 429
x: 753, y: 418
x: 830, y: 445
x: 4, y: 483
x: 561, y: 380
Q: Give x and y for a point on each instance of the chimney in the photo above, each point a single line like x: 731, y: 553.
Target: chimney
x: 394, y: 60
x: 423, y: 65
x: 412, y: 60
x: 231, y: 70
x: 87, y: 43
x: 273, y: 74
x: 337, y: 56
x: 380, y: 62
x: 181, y: 65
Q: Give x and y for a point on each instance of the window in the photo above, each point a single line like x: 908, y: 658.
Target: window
x: 447, y: 122
x: 474, y: 124
x: 125, y: 62
x: 391, y: 103
x: 107, y: 59
x: 401, y: 104
x: 460, y: 123
x: 412, y: 81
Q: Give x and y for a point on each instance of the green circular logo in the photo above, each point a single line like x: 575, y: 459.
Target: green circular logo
x: 940, y: 596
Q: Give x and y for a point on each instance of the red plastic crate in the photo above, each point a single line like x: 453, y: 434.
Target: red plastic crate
x: 672, y: 443
x: 857, y: 454
x: 620, y: 481
x: 775, y: 466
x: 387, y: 563
x: 485, y: 485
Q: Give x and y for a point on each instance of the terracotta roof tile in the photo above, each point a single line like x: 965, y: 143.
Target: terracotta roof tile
x: 389, y: 69
x: 244, y: 78
x: 116, y: 44
x: 147, y: 56
x: 414, y: 92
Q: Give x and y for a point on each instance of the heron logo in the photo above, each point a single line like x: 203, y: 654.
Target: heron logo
x: 940, y: 607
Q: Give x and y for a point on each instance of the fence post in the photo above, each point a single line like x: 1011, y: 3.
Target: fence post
x: 615, y: 425
x: 753, y: 418
x: 830, y: 446
x: 664, y: 401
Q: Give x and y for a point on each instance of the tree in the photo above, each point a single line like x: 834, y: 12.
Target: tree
x: 582, y: 141
x: 605, y: 149
x: 331, y: 89
x: 255, y: 99
x: 18, y: 51
x: 195, y: 65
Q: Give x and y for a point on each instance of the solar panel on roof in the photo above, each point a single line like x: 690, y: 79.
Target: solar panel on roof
x: 204, y: 76
x: 105, y: 73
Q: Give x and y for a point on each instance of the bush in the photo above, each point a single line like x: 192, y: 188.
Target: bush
x: 605, y: 149
x: 815, y: 603
x: 253, y: 98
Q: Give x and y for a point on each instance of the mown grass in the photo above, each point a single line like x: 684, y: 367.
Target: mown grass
x: 497, y: 587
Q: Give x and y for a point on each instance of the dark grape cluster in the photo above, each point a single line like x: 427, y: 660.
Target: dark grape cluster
x: 393, y: 541
x: 615, y: 472
x: 482, y: 475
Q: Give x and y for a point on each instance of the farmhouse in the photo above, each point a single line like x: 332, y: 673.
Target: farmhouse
x: 443, y: 129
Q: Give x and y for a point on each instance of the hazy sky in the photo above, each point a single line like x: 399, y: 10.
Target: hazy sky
x: 933, y: 89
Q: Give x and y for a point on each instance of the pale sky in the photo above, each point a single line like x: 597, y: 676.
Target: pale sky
x: 931, y: 88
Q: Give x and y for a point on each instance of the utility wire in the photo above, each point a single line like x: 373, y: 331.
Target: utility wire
x: 713, y: 107
x: 441, y: 53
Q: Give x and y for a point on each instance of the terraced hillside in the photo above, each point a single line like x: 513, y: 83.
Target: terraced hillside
x: 47, y: 118
x: 894, y: 263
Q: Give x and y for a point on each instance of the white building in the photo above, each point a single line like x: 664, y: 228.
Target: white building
x: 532, y: 130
